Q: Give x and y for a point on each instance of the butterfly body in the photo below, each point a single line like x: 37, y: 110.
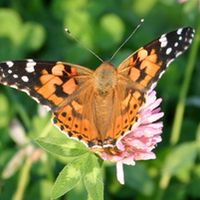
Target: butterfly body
x: 101, y: 106
x: 105, y: 78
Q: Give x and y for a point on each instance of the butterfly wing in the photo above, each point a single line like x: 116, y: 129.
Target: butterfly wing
x: 67, y: 89
x: 148, y: 64
x: 49, y: 83
x: 124, y: 112
x: 141, y: 71
x: 76, y: 118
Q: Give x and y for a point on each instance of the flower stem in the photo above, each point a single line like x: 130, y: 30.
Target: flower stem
x: 23, y: 180
x: 198, y: 134
x: 178, y: 119
x: 163, y: 184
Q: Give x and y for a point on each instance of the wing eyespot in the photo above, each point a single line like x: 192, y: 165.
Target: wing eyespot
x: 64, y: 114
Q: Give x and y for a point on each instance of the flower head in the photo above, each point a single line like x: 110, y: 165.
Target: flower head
x: 182, y: 1
x: 141, y: 140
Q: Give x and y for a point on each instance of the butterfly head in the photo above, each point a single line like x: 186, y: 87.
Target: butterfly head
x: 105, y: 78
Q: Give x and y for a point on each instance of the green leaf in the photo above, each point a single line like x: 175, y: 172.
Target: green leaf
x: 68, y: 7
x: 4, y: 110
x: 175, y: 191
x: 70, y: 176
x: 39, y: 189
x: 79, y: 25
x: 10, y: 25
x: 193, y: 185
x: 41, y: 126
x: 111, y: 31
x: 86, y: 167
x: 117, y: 23
x: 32, y: 36
x: 137, y: 177
x: 143, y: 9
x: 79, y: 192
x: 93, y: 179
x: 181, y: 158
x: 62, y: 146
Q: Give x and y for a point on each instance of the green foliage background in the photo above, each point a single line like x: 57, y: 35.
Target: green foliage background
x: 35, y: 29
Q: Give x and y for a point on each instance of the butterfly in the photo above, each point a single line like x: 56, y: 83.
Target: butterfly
x: 97, y: 106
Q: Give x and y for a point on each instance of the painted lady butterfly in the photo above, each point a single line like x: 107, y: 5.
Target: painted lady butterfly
x: 96, y: 107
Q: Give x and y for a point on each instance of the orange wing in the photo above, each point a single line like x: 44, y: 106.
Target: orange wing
x: 62, y: 87
x: 49, y: 83
x: 96, y: 107
x: 148, y: 64
x: 140, y: 72
x: 124, y: 114
x: 75, y: 116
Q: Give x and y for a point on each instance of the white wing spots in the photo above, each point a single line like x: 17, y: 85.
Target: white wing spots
x: 180, y: 38
x: 169, y: 62
x: 179, y: 31
x: 26, y: 91
x: 15, y: 76
x: 4, y: 83
x: 30, y: 67
x: 10, y: 63
x: 13, y: 86
x: 47, y: 108
x: 164, y: 44
x: 190, y: 41
x: 10, y: 71
x: 163, y: 41
x: 176, y: 44
x: 153, y: 86
x: 179, y: 53
x: 25, y: 78
x: 35, y: 99
x: 163, y: 36
x: 23, y: 90
x: 169, y: 50
x: 160, y: 75
x: 30, y: 60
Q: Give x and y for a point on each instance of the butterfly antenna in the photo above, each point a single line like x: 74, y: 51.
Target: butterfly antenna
x: 127, y: 39
x: 92, y: 52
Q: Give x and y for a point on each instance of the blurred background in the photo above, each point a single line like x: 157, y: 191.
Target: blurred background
x: 35, y: 29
